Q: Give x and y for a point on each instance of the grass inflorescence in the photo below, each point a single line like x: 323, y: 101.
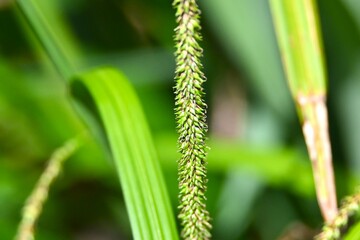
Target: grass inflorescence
x: 191, y: 119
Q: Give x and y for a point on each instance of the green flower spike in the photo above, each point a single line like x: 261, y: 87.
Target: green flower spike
x: 191, y: 119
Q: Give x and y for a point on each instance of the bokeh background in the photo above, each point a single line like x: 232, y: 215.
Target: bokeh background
x: 260, y: 182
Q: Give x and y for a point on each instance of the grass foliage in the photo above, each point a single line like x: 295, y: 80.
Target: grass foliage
x: 256, y: 182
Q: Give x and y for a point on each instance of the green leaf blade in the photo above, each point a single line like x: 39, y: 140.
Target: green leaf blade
x: 133, y: 151
x: 300, y: 45
x: 51, y: 35
x: 297, y: 28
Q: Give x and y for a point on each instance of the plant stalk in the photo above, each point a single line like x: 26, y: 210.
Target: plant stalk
x: 297, y: 28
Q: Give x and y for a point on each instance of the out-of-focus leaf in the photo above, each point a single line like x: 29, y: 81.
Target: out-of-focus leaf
x: 353, y: 233
x: 237, y: 198
x: 347, y: 105
x: 354, y: 7
x: 342, y: 47
x: 245, y: 30
x: 281, y: 207
x: 255, y: 159
x: 112, y: 100
x: 143, y: 67
x: 34, y: 108
x: 341, y: 39
x: 51, y: 34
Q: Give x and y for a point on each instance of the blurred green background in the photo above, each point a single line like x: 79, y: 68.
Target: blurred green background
x: 260, y: 181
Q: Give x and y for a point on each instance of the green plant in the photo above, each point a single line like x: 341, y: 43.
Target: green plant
x: 300, y: 44
x: 259, y: 171
x: 124, y: 130
x: 191, y: 119
x: 297, y: 26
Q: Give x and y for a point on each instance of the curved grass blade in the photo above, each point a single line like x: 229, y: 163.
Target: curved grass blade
x: 296, y: 24
x: 107, y: 95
